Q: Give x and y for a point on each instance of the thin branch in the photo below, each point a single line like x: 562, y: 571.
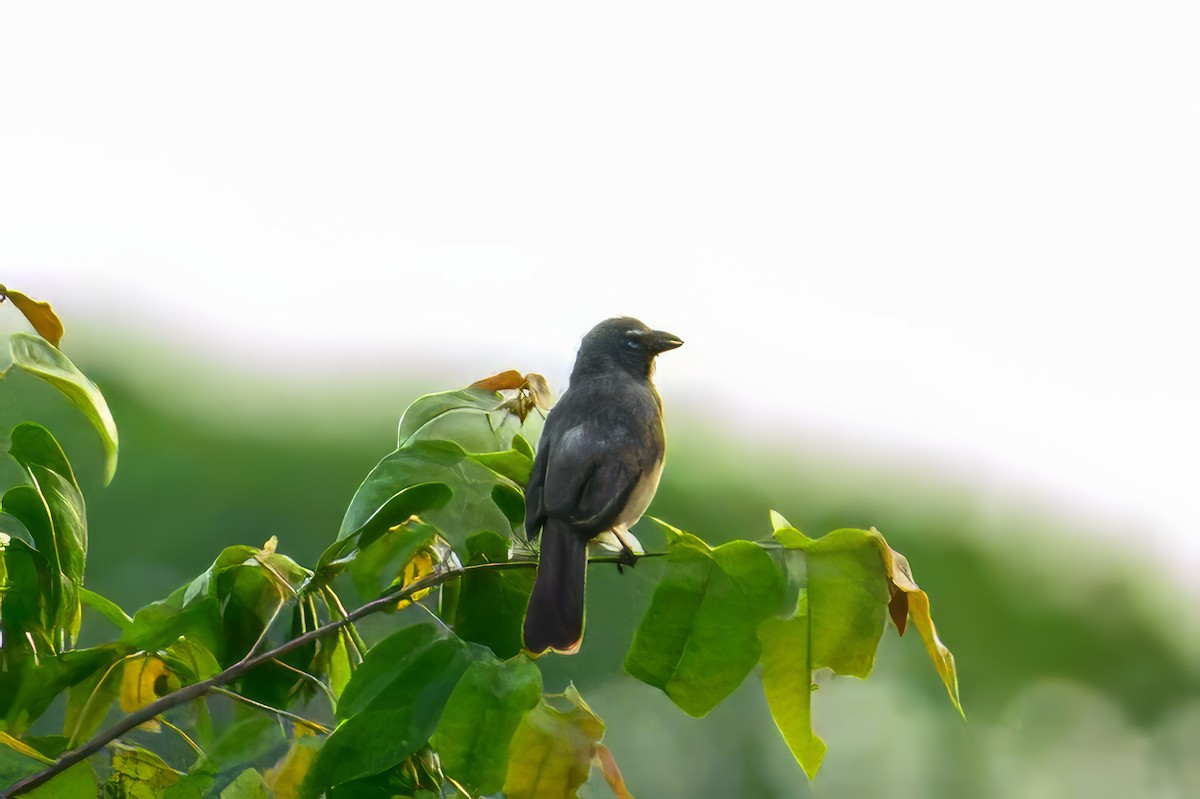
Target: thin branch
x: 196, y: 690
x: 266, y: 629
x: 195, y: 746
x: 309, y: 677
x: 354, y: 640
x: 292, y: 717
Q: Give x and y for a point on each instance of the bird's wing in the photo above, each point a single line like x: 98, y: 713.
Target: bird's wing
x: 588, y: 479
x: 535, y: 509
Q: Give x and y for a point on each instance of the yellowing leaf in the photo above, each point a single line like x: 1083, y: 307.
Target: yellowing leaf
x: 909, y: 600
x: 552, y: 751
x: 787, y: 683
x: 612, y: 774
x: 844, y: 581
x: 18, y: 745
x: 285, y: 778
x: 39, y: 314
x: 340, y: 669
x: 419, y: 566
x: 248, y: 785
x: 138, y: 773
x: 144, y: 680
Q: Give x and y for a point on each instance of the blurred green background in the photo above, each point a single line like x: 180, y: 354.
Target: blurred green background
x: 1077, y: 663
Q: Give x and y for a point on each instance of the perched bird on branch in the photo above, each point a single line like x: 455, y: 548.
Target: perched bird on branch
x: 596, y: 470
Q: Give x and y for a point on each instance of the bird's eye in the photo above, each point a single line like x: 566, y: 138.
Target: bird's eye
x: 633, y: 344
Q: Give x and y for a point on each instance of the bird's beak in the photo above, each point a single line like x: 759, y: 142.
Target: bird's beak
x: 661, y: 341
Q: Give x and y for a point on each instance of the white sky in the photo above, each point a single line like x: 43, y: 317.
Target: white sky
x: 962, y: 233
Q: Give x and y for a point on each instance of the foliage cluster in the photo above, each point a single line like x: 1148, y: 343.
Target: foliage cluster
x: 257, y: 666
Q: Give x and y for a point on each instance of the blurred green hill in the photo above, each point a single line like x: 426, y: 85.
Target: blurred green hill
x: 1075, y: 663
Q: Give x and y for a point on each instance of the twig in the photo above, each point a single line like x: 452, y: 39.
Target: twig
x: 353, y: 639
x: 292, y: 717
x: 309, y: 677
x: 195, y: 746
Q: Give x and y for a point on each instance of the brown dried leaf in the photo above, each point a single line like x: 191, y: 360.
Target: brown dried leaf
x: 523, y: 393
x: 40, y: 314
x: 512, y: 379
x: 539, y: 390
x: 909, y: 601
x: 612, y: 774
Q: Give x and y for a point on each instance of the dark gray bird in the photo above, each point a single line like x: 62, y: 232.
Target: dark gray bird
x: 596, y: 469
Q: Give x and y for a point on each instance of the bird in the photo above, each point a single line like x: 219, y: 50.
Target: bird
x: 596, y: 469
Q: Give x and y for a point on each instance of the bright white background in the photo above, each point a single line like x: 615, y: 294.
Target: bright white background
x: 962, y: 235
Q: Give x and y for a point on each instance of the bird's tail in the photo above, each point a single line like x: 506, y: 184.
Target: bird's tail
x: 555, y: 616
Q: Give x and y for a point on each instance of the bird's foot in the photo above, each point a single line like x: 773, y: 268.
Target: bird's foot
x: 627, y: 557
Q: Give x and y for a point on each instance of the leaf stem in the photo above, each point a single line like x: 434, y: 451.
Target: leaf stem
x: 195, y: 746
x: 333, y: 601
x: 310, y: 678
x: 292, y: 717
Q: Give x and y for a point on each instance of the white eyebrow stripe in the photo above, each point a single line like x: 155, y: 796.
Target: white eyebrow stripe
x: 632, y: 332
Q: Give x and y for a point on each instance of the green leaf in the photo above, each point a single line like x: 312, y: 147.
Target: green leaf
x: 511, y: 503
x: 28, y: 686
x: 467, y: 510
x: 512, y: 463
x: 106, y: 608
x: 552, y: 750
x: 340, y: 669
x: 378, y: 564
x: 27, y: 608
x: 225, y: 608
x: 491, y: 602
x: 191, y: 660
x: 247, y: 740
x: 197, y: 782
x: 521, y: 445
x: 248, y: 785
x: 89, y: 701
x: 40, y: 358
x: 77, y: 782
x: 476, y: 419
x: 698, y: 640
x: 479, y: 721
x: 53, y: 512
x: 33, y: 445
x: 847, y: 601
x: 382, y: 665
x: 359, y: 533
x: 195, y: 614
x: 467, y: 441
x: 391, y: 706
x: 787, y: 683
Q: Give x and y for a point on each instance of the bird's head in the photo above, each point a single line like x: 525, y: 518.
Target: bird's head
x: 624, y: 343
